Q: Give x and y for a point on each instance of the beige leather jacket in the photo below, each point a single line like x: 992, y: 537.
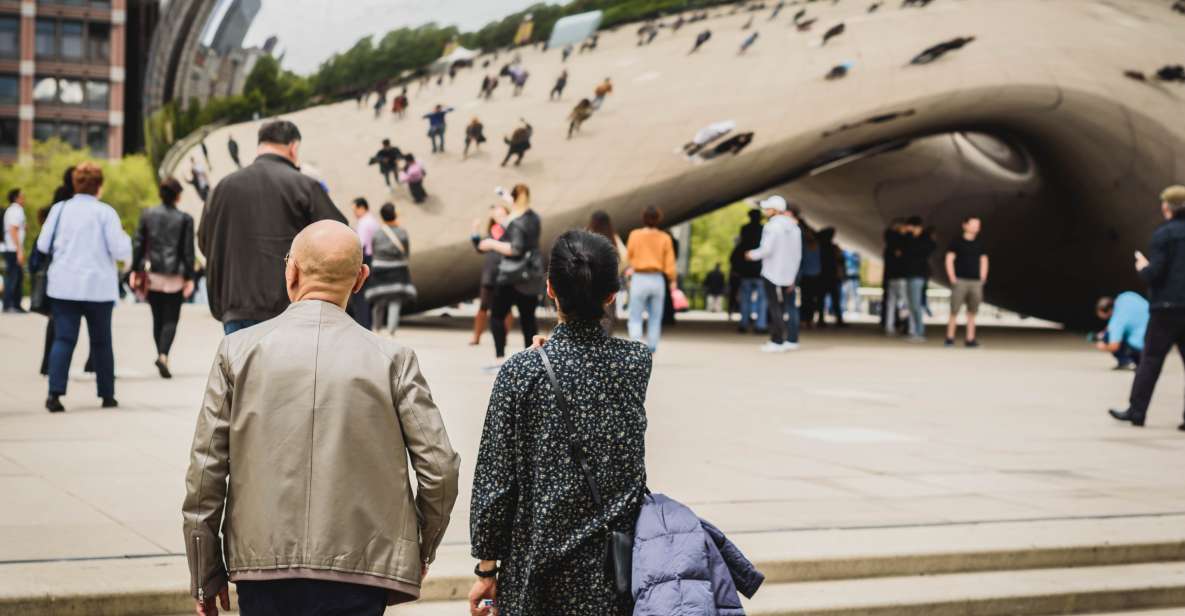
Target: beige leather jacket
x: 303, y: 440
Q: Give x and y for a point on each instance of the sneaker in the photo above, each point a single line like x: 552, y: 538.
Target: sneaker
x: 972, y: 344
x: 789, y: 346
x: 110, y: 403
x: 916, y: 339
x: 54, y: 405
x: 772, y: 347
x: 163, y: 368
x: 949, y: 342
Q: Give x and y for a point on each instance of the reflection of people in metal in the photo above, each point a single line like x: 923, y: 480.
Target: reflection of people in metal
x: 731, y: 146
x: 557, y: 91
x: 700, y: 39
x: 707, y: 135
x: 599, y: 94
x: 937, y: 51
x: 233, y: 147
x: 580, y: 113
x: 747, y: 43
x: 474, y: 134
x: 831, y: 33
x: 518, y: 143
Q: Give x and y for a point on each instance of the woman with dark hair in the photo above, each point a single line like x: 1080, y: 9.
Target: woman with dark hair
x: 602, y: 225
x: 162, y: 267
x: 652, y: 270
x: 494, y: 227
x: 85, y: 240
x: 390, y: 286
x: 63, y: 192
x: 519, y: 280
x: 535, y: 525
x: 518, y: 143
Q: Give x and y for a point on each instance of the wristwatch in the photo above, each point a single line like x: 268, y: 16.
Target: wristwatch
x: 477, y: 570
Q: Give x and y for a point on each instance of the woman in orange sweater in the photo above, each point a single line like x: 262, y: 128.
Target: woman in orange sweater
x: 652, y: 267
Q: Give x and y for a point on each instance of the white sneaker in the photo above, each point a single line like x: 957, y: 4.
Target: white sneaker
x: 789, y: 346
x: 772, y: 347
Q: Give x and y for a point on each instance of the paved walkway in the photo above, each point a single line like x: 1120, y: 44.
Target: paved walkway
x: 852, y: 431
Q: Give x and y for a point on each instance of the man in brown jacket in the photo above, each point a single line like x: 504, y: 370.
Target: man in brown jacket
x: 249, y: 222
x: 303, y: 441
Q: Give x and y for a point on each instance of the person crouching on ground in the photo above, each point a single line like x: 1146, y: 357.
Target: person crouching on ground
x: 1127, y: 321
x: 303, y: 441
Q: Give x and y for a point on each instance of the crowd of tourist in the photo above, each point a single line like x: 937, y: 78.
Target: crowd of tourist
x: 289, y: 280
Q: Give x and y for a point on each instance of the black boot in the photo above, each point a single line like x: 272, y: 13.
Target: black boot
x: 54, y: 405
x: 1127, y: 416
x: 110, y: 403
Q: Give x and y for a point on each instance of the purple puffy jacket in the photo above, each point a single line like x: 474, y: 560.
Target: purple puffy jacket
x: 684, y: 566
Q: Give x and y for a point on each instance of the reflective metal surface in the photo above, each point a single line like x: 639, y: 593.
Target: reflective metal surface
x: 1052, y: 120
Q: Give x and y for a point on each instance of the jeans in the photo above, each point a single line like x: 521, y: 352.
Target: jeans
x: 647, y: 292
x: 895, y: 292
x: 753, y: 301
x: 1127, y: 355
x: 851, y: 294
x: 67, y: 316
x: 14, y: 280
x: 297, y: 597
x: 231, y: 327
x: 1165, y: 330
x: 783, y: 313
x: 166, y: 311
x: 506, y: 296
x: 436, y: 134
x: 916, y: 289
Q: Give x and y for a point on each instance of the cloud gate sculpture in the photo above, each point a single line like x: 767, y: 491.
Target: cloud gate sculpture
x: 1048, y: 120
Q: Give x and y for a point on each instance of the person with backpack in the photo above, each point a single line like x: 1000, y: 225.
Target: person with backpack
x: 538, y: 523
x: 389, y: 288
x: 519, y: 280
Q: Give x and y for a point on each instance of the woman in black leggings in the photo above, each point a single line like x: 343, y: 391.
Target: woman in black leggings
x: 519, y: 280
x: 162, y: 267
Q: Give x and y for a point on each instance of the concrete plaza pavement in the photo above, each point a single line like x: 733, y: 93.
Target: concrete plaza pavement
x: 853, y: 432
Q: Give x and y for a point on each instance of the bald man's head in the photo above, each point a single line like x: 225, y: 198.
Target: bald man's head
x: 325, y: 263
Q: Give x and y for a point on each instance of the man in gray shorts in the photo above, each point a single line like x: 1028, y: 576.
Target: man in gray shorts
x: 967, y: 270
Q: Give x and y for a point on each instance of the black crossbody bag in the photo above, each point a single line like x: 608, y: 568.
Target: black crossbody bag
x: 619, y: 546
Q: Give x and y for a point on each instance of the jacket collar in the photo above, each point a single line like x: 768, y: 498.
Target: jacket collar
x: 276, y: 158
x: 308, y: 306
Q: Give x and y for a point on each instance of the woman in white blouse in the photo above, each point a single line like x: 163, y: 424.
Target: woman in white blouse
x: 84, y: 239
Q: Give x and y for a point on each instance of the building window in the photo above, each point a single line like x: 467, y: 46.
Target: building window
x: 97, y: 93
x: 9, y: 139
x: 71, y: 92
x: 44, y: 131
x: 10, y: 90
x: 10, y: 37
x: 46, y: 38
x: 71, y: 133
x: 71, y: 40
x: 98, y: 41
x: 96, y: 139
x: 45, y: 90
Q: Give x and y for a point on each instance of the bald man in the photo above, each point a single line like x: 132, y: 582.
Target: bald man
x: 303, y: 441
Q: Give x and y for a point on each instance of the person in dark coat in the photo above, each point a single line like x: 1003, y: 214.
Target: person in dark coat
x: 233, y: 147
x: 387, y: 158
x: 518, y: 143
x: 245, y: 248
x: 1163, y: 269
x: 534, y: 526
x: 830, y: 276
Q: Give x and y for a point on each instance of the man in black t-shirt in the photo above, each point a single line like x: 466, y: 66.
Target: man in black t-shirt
x: 387, y: 158
x: 967, y: 270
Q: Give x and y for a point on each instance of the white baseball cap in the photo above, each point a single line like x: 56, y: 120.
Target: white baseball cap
x: 774, y: 202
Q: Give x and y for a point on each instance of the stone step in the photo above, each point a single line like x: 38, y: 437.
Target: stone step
x: 1036, y: 592
x: 158, y: 585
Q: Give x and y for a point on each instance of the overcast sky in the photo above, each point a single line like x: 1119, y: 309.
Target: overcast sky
x: 312, y: 30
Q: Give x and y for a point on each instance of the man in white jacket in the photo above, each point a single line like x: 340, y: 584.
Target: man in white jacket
x: 780, y: 254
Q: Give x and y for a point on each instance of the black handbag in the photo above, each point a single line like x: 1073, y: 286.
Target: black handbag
x: 619, y: 546
x: 525, y: 270
x: 39, y: 300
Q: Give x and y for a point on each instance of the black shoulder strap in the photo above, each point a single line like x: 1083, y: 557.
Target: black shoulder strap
x: 574, y: 446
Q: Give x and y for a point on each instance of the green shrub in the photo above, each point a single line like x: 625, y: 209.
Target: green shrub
x: 129, y: 184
